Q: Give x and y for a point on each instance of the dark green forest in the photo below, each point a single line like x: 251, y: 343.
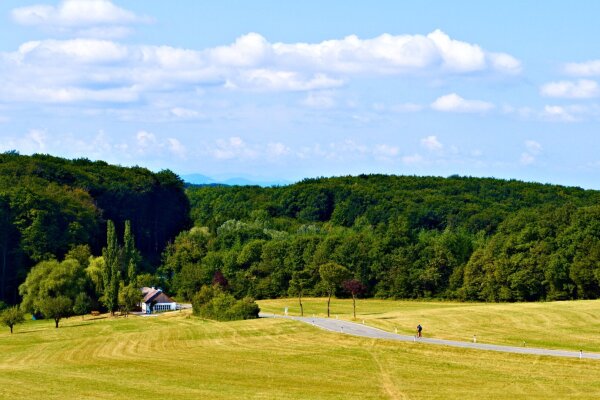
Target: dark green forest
x: 49, y: 206
x: 398, y: 236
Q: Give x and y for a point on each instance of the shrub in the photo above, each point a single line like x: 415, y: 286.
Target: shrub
x: 212, y: 302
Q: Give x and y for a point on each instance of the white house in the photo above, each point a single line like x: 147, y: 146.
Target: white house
x: 156, y: 301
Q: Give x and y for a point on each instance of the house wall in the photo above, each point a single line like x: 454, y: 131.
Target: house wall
x: 159, y: 307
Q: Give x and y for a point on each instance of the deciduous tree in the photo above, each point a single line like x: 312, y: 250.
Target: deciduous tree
x: 56, y: 308
x: 332, y: 275
x: 11, y: 317
x: 355, y: 288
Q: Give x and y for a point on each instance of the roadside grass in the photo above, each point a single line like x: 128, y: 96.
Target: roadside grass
x: 177, y: 356
x: 569, y: 325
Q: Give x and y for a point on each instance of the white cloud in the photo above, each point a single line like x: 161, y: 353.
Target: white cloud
x: 432, y: 143
x: 505, y: 62
x: 277, y: 149
x: 184, y: 113
x: 145, y: 139
x: 273, y: 80
x: 386, y: 151
x: 581, y: 89
x: 233, y: 147
x: 176, y: 147
x: 533, y: 147
x: 71, y: 15
x: 37, y: 138
x: 533, y: 150
x: 390, y: 54
x: 588, y: 68
x: 250, y: 50
x: 454, y: 103
x: 90, y: 69
x: 81, y: 51
x: 558, y: 113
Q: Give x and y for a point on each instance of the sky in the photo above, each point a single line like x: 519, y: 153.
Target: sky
x: 281, y: 91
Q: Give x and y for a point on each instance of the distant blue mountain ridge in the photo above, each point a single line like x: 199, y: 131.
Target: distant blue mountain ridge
x: 199, y: 179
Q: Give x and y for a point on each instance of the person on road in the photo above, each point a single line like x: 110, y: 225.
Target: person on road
x: 419, y: 329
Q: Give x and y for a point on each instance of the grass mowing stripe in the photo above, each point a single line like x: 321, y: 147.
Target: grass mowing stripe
x: 178, y: 356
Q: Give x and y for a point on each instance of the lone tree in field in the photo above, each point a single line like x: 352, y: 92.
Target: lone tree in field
x: 300, y: 280
x: 355, y: 288
x: 11, y: 317
x: 56, y: 308
x: 332, y: 275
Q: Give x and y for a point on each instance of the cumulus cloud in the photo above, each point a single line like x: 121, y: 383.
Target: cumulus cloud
x: 432, y: 143
x: 394, y: 54
x: 581, y: 89
x: 588, y: 68
x: 558, y: 113
x: 100, y: 70
x: 92, y: 18
x: 454, y: 103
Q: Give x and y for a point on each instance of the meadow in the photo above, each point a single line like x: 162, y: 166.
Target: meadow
x: 178, y: 356
x: 568, y: 325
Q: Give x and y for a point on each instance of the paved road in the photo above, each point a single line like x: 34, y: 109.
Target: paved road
x: 352, y: 328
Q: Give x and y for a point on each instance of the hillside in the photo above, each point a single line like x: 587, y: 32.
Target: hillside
x: 48, y: 205
x: 401, y: 236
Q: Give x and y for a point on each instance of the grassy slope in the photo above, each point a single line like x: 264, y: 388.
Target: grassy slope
x: 569, y: 325
x: 175, y: 356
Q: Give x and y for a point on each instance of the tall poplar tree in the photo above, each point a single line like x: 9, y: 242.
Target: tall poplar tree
x: 111, y: 272
x: 131, y: 256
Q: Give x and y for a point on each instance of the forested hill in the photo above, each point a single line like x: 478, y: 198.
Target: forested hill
x: 425, y: 202
x: 401, y: 236
x: 48, y: 205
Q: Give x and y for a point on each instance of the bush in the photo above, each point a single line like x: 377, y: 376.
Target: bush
x: 212, y: 302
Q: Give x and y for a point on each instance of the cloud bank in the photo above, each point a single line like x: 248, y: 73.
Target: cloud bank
x: 92, y: 67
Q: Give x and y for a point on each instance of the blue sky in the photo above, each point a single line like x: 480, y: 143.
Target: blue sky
x: 274, y: 90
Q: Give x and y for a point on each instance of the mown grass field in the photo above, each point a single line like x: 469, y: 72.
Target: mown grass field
x: 177, y: 356
x: 569, y: 325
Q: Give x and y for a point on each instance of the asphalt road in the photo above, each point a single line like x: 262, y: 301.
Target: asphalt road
x: 355, y: 329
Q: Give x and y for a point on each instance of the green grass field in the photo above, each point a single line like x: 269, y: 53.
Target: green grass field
x: 176, y: 356
x: 569, y: 325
